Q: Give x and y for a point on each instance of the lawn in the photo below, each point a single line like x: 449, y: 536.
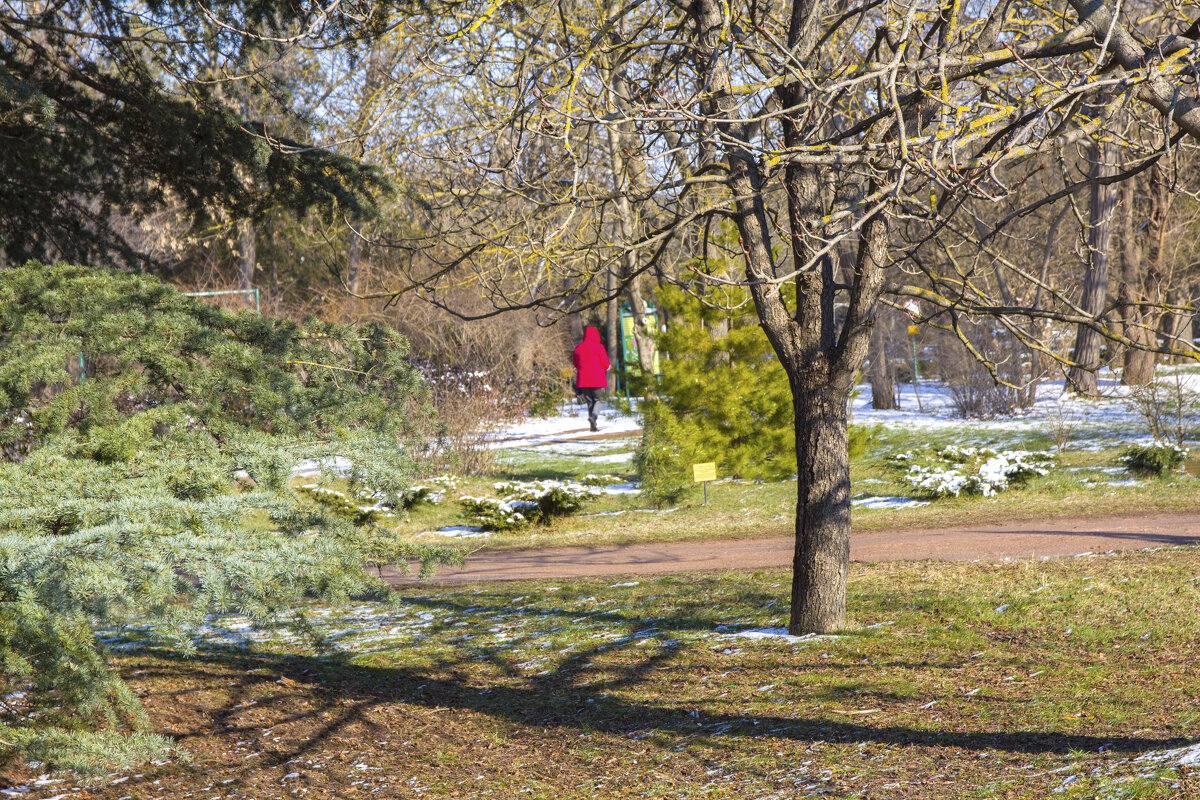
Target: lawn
x: 1072, y: 677
x: 1087, y: 481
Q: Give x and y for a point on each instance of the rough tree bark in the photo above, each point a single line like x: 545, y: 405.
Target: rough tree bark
x: 1138, y: 364
x: 883, y: 379
x: 1086, y: 355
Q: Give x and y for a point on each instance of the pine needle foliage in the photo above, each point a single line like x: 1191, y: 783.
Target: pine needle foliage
x: 110, y: 111
x: 152, y: 486
x: 722, y: 385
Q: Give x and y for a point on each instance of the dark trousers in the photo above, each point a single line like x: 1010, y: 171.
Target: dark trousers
x: 591, y: 394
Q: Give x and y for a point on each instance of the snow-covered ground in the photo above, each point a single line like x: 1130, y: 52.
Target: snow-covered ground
x: 569, y: 424
x: 1084, y: 422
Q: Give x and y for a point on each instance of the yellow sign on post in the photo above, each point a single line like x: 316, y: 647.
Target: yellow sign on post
x: 703, y: 473
x: 913, y: 330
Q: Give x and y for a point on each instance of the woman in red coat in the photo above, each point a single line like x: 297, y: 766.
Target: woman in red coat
x: 591, y: 371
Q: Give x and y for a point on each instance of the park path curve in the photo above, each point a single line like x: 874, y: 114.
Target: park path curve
x: 1016, y: 540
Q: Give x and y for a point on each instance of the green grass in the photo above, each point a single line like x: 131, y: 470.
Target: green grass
x: 951, y: 680
x: 1080, y: 485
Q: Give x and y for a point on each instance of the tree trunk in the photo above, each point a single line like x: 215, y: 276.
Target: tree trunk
x: 883, y: 380
x: 1138, y: 364
x: 612, y: 324
x: 247, y: 253
x: 1176, y: 325
x: 643, y: 339
x: 822, y: 555
x: 1086, y: 357
x: 354, y: 249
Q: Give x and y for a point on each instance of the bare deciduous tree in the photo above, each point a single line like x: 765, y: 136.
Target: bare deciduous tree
x: 600, y: 140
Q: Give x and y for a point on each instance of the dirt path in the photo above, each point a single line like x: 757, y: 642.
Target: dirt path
x: 1057, y: 537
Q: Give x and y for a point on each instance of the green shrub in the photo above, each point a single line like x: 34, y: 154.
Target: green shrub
x: 1153, y: 459
x: 524, y: 503
x: 117, y: 482
x: 727, y: 393
x: 664, y: 456
x: 860, y: 437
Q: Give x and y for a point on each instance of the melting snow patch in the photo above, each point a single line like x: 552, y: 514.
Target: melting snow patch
x: 888, y: 502
x: 1182, y: 756
x: 631, y: 583
x: 778, y: 633
x: 461, y: 532
x: 337, y: 465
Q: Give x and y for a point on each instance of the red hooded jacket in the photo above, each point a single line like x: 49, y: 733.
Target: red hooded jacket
x: 591, y: 362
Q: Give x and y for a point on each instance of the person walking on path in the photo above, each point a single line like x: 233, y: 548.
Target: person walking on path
x: 591, y: 371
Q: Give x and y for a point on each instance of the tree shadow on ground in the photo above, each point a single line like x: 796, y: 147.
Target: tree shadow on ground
x: 574, y: 695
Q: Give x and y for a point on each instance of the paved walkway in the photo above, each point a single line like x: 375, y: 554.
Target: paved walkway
x: 1059, y: 537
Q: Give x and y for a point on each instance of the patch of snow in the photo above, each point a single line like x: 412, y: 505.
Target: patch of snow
x: 461, y: 532
x: 780, y: 634
x: 1087, y: 423
x: 336, y: 465
x: 623, y: 488
x: 570, y: 422
x: 1183, y: 756
x: 888, y: 502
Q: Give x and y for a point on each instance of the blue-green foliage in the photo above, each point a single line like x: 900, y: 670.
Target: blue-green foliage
x: 155, y: 489
x: 1155, y: 459
x: 729, y: 395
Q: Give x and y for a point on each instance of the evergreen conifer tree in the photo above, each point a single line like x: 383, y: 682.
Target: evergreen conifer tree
x: 148, y: 444
x: 110, y: 111
x: 722, y: 386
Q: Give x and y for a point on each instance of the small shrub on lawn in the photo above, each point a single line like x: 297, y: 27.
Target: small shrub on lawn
x: 496, y: 515
x: 950, y: 471
x: 527, y: 503
x: 1153, y: 459
x: 663, y: 456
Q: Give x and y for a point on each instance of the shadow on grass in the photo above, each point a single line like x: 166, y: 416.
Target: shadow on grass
x: 572, y: 696
x: 347, y: 694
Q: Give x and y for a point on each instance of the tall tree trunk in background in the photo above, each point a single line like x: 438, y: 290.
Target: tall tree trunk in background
x: 1082, y: 375
x: 612, y: 322
x: 1039, y: 330
x: 1138, y: 363
x: 354, y: 250
x: 247, y: 253
x: 883, y: 379
x: 643, y: 337
x: 629, y: 171
x: 1176, y: 325
x: 1153, y: 288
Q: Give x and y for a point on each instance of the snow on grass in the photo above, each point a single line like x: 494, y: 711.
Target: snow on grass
x: 776, y: 634
x: 1087, y: 423
x: 1180, y: 756
x: 570, y: 422
x: 887, y: 502
x: 622, y: 488
x: 459, y: 532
